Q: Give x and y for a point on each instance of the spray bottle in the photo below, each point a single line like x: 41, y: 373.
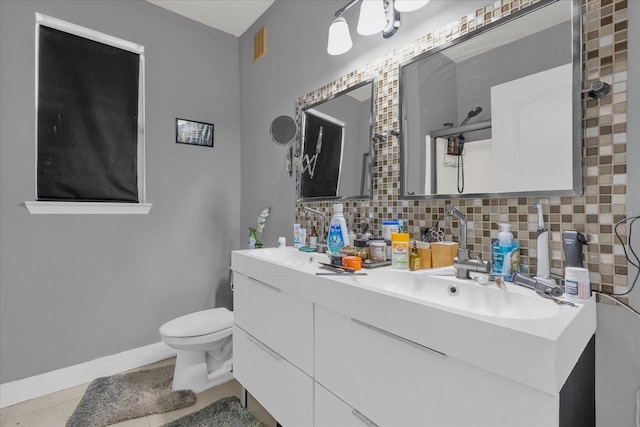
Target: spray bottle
x: 542, y: 245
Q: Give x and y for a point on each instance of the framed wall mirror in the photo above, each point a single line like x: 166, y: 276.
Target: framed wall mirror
x: 335, y: 140
x: 496, y: 112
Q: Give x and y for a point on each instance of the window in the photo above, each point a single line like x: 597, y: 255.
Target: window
x: 90, y: 121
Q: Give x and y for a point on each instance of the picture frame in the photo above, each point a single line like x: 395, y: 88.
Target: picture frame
x: 191, y: 132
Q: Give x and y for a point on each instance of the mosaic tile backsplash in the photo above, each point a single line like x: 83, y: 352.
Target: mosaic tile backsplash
x: 595, y: 213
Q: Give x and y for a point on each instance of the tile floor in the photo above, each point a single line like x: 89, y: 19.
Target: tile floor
x: 54, y: 410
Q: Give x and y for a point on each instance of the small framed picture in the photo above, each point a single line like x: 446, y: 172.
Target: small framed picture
x: 194, y: 133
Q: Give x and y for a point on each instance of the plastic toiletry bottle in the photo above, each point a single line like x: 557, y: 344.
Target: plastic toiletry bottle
x: 415, y: 263
x: 400, y: 250
x: 505, y: 254
x: 296, y: 235
x: 313, y: 238
x: 577, y: 286
x: 388, y: 227
x: 338, y: 233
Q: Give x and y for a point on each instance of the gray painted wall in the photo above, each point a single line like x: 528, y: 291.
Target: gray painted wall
x: 297, y: 63
x: 78, y: 287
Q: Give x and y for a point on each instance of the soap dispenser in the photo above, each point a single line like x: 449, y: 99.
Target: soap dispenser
x: 505, y: 254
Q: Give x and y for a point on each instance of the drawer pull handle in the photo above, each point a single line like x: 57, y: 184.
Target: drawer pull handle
x: 364, y: 419
x: 397, y: 337
x: 265, y: 348
x: 266, y: 285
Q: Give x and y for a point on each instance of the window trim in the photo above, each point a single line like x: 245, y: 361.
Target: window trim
x: 71, y: 207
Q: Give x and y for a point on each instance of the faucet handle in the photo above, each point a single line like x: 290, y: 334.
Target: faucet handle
x: 487, y: 264
x: 478, y: 256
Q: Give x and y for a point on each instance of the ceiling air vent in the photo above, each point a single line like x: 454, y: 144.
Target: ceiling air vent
x: 260, y: 44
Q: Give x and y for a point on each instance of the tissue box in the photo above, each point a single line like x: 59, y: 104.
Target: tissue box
x: 443, y: 253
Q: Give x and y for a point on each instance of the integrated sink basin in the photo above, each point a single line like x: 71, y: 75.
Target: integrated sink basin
x: 463, y: 296
x: 289, y: 256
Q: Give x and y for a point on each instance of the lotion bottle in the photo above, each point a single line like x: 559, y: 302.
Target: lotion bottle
x: 505, y: 254
x: 338, y: 232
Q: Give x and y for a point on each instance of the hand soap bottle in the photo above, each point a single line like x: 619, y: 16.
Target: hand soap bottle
x: 505, y: 254
x: 338, y: 233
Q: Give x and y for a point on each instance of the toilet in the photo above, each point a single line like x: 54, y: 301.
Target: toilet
x: 203, y: 341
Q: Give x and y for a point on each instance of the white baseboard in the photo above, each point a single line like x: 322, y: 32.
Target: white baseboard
x: 50, y: 382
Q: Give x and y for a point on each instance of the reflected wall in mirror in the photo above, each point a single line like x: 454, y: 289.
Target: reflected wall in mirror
x: 335, y: 146
x: 496, y: 112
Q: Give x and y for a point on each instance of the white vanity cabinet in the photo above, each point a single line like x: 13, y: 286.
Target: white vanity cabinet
x: 273, y: 349
x: 394, y: 349
x: 394, y: 382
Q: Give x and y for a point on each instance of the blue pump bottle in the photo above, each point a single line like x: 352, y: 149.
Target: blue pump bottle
x: 505, y: 254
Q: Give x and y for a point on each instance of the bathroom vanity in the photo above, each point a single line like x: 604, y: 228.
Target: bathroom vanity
x: 399, y: 348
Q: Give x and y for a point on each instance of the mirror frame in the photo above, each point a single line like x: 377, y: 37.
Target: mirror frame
x: 367, y: 169
x: 577, y: 150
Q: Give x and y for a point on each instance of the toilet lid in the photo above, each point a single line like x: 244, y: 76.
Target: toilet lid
x: 198, y: 323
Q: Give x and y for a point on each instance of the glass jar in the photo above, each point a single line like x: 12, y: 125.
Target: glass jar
x: 362, y: 249
x: 377, y: 249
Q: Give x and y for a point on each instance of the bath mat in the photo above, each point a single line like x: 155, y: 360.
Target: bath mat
x: 226, y: 412
x: 121, y: 397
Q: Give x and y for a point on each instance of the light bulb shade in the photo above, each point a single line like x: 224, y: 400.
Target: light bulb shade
x: 372, y: 17
x: 409, y: 5
x: 339, y: 37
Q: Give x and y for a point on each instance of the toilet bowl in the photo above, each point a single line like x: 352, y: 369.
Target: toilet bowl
x: 204, y: 344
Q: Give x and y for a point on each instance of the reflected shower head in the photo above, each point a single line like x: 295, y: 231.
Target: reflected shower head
x: 597, y: 90
x: 474, y: 112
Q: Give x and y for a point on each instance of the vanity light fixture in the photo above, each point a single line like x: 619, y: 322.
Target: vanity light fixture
x: 376, y: 16
x: 372, y: 17
x: 409, y: 5
x: 339, y: 37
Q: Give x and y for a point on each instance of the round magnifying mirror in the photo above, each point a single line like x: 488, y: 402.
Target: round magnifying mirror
x: 283, y: 130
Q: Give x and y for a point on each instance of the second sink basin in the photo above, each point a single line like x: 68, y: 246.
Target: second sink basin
x: 466, y: 296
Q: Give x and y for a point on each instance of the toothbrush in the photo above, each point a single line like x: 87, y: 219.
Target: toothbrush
x: 543, y: 246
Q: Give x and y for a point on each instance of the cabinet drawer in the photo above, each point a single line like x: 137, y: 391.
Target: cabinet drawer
x: 381, y: 376
x: 398, y: 383
x: 284, y: 390
x: 282, y: 321
x: 331, y: 411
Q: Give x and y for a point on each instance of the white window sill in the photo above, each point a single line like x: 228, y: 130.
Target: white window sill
x: 36, y: 208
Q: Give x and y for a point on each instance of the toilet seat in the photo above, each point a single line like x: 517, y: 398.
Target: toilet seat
x: 206, y: 322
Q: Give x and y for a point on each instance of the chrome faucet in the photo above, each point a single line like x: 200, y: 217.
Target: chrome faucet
x: 463, y: 263
x: 322, y: 243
